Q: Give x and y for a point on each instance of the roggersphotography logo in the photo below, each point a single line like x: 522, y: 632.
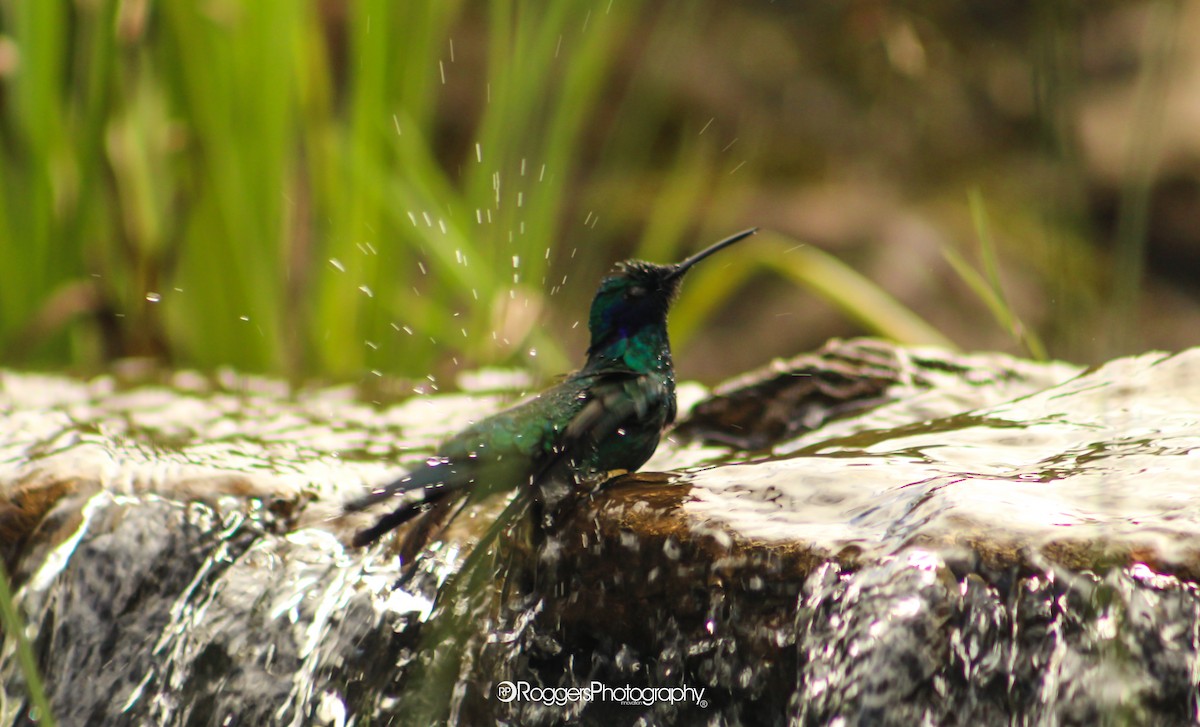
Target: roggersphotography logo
x: 597, y: 692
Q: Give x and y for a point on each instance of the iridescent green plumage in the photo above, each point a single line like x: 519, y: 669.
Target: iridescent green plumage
x: 607, y: 416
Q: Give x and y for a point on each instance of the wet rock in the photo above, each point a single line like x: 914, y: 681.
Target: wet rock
x: 845, y: 378
x: 114, y: 603
x: 950, y: 540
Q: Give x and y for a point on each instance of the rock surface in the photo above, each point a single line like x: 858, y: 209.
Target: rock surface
x: 945, y: 539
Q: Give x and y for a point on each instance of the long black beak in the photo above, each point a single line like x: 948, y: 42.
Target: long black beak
x: 682, y: 267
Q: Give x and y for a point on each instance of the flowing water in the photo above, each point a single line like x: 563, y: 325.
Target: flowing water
x: 942, y: 540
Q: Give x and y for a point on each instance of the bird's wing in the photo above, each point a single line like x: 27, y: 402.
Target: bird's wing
x: 497, y: 451
x: 611, y: 400
x: 615, y: 398
x: 542, y: 442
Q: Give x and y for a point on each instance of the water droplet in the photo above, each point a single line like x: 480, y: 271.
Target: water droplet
x: 478, y: 148
x: 672, y: 549
x: 366, y: 291
x: 516, y: 261
x: 244, y: 318
x: 153, y: 297
x: 533, y: 353
x: 337, y: 264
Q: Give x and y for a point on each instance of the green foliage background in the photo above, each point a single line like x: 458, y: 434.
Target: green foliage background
x: 262, y: 184
x: 341, y: 189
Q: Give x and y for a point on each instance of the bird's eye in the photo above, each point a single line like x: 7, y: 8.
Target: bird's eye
x: 637, y: 291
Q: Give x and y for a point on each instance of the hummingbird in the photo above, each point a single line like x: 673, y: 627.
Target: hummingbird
x: 607, y: 416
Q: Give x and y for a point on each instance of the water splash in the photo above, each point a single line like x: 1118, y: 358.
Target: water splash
x: 992, y: 543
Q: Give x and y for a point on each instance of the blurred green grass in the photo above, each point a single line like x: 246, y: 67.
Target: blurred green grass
x: 263, y: 184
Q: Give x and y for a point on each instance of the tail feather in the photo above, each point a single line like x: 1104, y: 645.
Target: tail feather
x: 430, y: 477
x: 392, y: 520
x: 430, y: 480
x: 433, y: 521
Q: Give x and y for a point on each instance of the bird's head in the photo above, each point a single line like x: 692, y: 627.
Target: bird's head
x: 638, y: 295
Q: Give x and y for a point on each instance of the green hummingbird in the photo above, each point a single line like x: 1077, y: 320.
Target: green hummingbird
x: 608, y: 415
